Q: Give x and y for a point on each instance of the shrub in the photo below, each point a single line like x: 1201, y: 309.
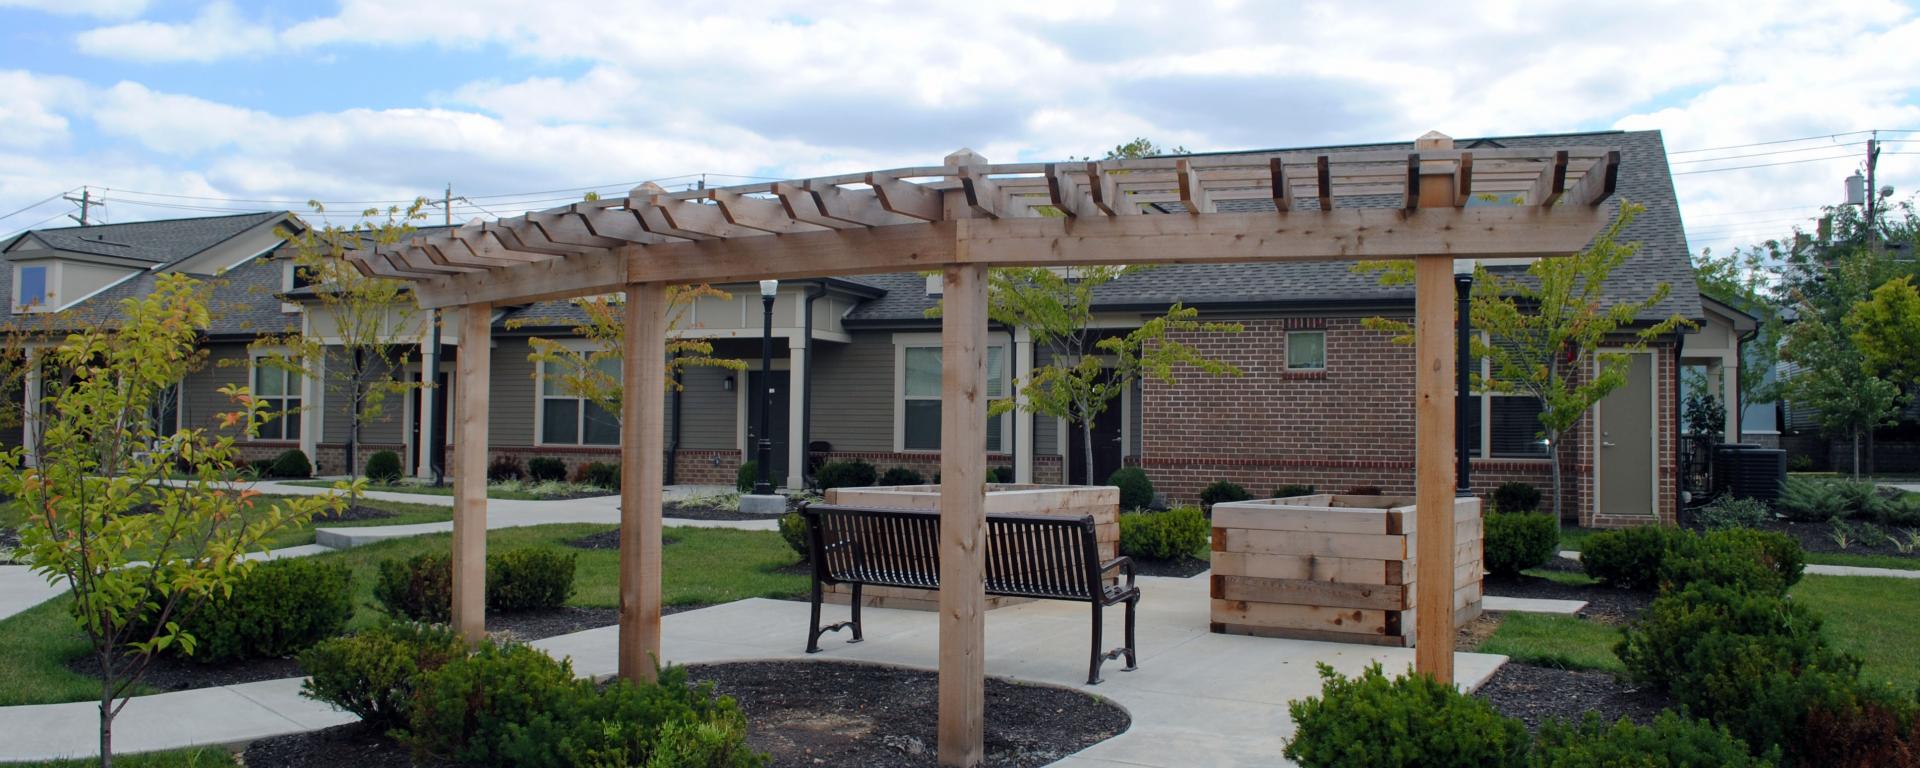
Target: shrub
x: 1363, y: 490
x: 1169, y: 535
x: 902, y: 476
x: 1290, y: 491
x: 999, y: 474
x: 505, y: 467
x: 1731, y: 512
x: 601, y: 474
x: 546, y: 469
x: 844, y: 474
x: 384, y: 467
x: 1519, y: 540
x: 419, y: 587
x: 1810, y: 501
x: 1744, y: 558
x: 793, y: 528
x: 1371, y: 720
x: 1861, y: 728
x: 747, y: 476
x: 1799, y: 462
x: 1670, y: 742
x: 372, y: 674
x: 276, y: 610
x: 475, y: 708
x: 531, y: 578
x: 1136, y: 491
x: 1222, y: 490
x: 261, y: 468
x: 291, y: 462
x: 1516, y: 496
x: 1629, y: 557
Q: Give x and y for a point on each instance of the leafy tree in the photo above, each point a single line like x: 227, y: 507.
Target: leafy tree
x: 593, y: 372
x: 1741, y: 279
x: 1886, y: 330
x: 360, y: 331
x: 140, y: 550
x: 1835, y: 381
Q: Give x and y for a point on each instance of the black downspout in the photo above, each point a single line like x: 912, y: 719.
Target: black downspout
x: 437, y: 441
x: 1013, y: 440
x: 673, y: 446
x: 806, y: 383
x: 1674, y: 436
x: 1463, y: 395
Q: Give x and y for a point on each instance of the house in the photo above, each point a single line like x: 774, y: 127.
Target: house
x: 1322, y: 399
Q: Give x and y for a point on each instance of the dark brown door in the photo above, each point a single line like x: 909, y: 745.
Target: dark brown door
x: 1106, y: 447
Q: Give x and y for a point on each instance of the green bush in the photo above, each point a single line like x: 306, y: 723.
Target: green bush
x: 747, y: 476
x: 1222, y: 491
x: 1811, y: 501
x: 372, y: 674
x: 844, y: 474
x: 1290, y: 491
x: 793, y: 529
x: 384, y: 467
x: 902, y: 476
x: 505, y: 467
x: 1731, y: 512
x: 261, y: 468
x: 1737, y: 557
x: 1363, y: 490
x: 418, y: 588
x: 1671, y: 741
x: 476, y: 708
x: 1514, y: 496
x: 1170, y: 535
x: 276, y: 610
x: 292, y: 462
x: 601, y: 474
x: 1629, y: 557
x: 531, y: 578
x: 999, y: 474
x: 1799, y: 462
x: 1411, y: 721
x: 546, y: 469
x: 1136, y: 491
x: 1519, y: 540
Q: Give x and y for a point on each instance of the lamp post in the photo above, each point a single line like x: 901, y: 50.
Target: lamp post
x: 768, y: 289
x: 1463, y: 397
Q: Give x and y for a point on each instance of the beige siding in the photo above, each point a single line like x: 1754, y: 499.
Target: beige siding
x: 513, y: 399
x: 853, y: 393
x: 707, y: 410
x: 201, y: 401
x: 337, y: 420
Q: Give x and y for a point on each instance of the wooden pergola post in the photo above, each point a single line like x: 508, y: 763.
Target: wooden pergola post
x: 642, y: 432
x: 470, y: 474
x: 1435, y: 414
x: 963, y: 521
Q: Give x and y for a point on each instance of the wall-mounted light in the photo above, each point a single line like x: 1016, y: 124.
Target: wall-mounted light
x: 727, y: 383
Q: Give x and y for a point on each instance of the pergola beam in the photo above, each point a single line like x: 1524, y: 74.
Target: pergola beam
x: 1551, y: 183
x: 906, y: 198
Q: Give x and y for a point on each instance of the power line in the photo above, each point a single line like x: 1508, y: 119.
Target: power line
x: 1765, y: 165
x: 1790, y: 141
x: 1774, y: 152
x: 47, y: 199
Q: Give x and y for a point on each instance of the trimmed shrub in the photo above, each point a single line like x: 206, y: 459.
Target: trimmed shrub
x: 844, y: 474
x: 902, y: 476
x: 292, y: 462
x: 546, y: 469
x: 1861, y: 728
x: 418, y: 588
x: 384, y: 467
x: 531, y: 578
x: 1169, y: 535
x: 600, y: 474
x: 999, y: 474
x: 1799, y: 462
x: 372, y: 674
x: 746, y: 476
x: 1363, y: 490
x: 1743, y: 558
x: 476, y: 708
x: 1136, y: 491
x: 505, y: 467
x: 1810, y: 501
x: 1731, y: 512
x: 279, y: 608
x: 1222, y: 490
x: 1289, y: 491
x: 793, y: 529
x: 1629, y: 557
x: 1514, y: 496
x: 1371, y: 720
x: 1519, y: 540
x: 1671, y: 741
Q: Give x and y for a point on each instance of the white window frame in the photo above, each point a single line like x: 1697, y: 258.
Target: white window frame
x: 1322, y: 333
x: 540, y: 398
x: 298, y: 393
x: 904, y: 341
x: 53, y: 281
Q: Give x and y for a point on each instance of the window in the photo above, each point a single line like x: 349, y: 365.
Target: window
x: 30, y: 288
x: 920, y: 398
x: 569, y: 419
x: 1515, y: 427
x: 1306, y: 350
x: 280, y: 390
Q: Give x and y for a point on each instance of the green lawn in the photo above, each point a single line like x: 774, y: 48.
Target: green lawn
x: 12, y: 515
x: 1864, y: 560
x: 701, y: 566
x: 1566, y: 642
x: 513, y: 492
x: 200, y: 757
x: 1871, y: 617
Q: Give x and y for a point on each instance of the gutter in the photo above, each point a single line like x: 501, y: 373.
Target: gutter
x: 673, y: 448
x: 814, y: 292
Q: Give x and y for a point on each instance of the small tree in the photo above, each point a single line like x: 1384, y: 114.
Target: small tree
x: 1886, y: 330
x: 593, y: 373
x: 359, y: 331
x: 139, y: 551
x: 1837, y: 383
x: 1741, y: 279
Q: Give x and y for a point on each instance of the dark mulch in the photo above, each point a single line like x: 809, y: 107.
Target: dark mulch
x: 1604, y: 603
x: 169, y: 673
x: 354, y: 745
x: 609, y: 540
x: 355, y: 512
x: 537, y: 625
x: 1179, y: 569
x: 1818, y: 537
x: 822, y: 713
x: 9, y: 539
x: 705, y: 512
x: 1534, y: 694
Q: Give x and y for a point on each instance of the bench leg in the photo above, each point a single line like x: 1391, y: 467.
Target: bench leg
x: 1099, y: 657
x: 1131, y: 604
x: 856, y: 614
x: 814, y: 630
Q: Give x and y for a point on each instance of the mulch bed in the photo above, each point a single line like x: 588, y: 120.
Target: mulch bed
x: 1179, y: 569
x: 704, y: 512
x: 609, y: 540
x: 1534, y: 694
x: 354, y: 745
x: 1604, y: 603
x: 822, y: 713
x: 1817, y: 537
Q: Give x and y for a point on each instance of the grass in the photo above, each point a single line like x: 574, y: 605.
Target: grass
x: 1871, y: 617
x: 198, y: 757
x: 1564, y: 642
x: 701, y: 566
x: 1569, y: 578
x: 12, y: 515
x: 1864, y: 560
x: 494, y: 491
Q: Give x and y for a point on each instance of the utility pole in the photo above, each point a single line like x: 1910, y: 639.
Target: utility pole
x: 446, y: 206
x: 1873, y: 192
x: 86, y: 202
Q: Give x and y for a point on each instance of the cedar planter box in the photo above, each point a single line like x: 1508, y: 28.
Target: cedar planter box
x: 1100, y: 502
x: 1331, y: 567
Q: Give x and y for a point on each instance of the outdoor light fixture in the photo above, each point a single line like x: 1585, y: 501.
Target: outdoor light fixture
x: 768, y: 289
x: 726, y: 383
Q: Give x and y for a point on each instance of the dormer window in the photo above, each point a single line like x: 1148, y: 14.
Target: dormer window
x: 31, y: 288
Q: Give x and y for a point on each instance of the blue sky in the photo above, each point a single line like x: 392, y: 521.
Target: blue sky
x: 177, y: 108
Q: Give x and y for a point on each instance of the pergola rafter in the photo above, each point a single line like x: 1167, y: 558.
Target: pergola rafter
x: 961, y: 218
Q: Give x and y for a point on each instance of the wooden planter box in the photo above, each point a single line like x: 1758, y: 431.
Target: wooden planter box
x: 1100, y: 502
x: 1331, y: 567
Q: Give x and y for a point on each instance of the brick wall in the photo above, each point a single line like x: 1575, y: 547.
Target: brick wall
x: 331, y: 458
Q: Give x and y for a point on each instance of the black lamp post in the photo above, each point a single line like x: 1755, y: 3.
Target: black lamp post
x: 1463, y: 397
x: 768, y: 289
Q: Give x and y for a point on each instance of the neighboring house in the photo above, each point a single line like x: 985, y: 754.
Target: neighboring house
x: 1322, y: 401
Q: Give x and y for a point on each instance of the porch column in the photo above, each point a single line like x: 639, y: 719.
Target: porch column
x: 963, y: 523
x: 429, y: 373
x: 642, y: 445
x: 1022, y: 418
x: 1730, y: 395
x: 470, y: 474
x: 796, y: 411
x: 30, y: 407
x: 313, y: 396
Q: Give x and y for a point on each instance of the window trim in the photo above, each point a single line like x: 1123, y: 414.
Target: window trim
x: 904, y: 341
x: 1484, y: 398
x: 253, y: 384
x: 540, y: 398
x: 50, y: 296
x: 1287, y: 350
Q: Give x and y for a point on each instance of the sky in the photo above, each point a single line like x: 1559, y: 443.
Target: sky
x: 170, y: 109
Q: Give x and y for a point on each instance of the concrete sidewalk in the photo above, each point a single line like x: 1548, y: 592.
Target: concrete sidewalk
x: 21, y: 588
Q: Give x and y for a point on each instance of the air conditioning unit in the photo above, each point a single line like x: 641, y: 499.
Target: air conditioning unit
x: 1749, y: 471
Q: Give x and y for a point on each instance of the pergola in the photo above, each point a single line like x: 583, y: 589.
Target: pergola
x: 962, y: 218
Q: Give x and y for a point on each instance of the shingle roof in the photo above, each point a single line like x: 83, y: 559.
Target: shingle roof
x: 1644, y: 179
x: 153, y: 242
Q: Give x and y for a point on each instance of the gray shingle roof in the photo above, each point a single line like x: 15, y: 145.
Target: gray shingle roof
x: 153, y: 242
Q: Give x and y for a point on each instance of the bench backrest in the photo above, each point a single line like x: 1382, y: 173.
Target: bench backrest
x: 1027, y: 555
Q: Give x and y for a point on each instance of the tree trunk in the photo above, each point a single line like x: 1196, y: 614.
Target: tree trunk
x: 1856, y: 454
x: 106, y: 724
x: 1086, y: 446
x: 1553, y: 456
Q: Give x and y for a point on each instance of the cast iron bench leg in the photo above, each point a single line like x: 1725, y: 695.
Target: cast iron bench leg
x: 1093, y: 665
x: 1131, y: 604
x: 814, y: 631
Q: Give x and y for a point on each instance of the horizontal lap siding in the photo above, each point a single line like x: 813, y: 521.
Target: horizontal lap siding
x: 201, y: 401
x: 337, y: 419
x: 853, y: 398
x: 707, y: 410
x: 511, y: 402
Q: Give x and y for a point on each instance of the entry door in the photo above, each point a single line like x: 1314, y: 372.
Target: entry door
x: 1106, y: 447
x: 1627, y: 443
x: 776, y: 427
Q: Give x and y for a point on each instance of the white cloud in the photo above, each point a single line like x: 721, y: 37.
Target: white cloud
x: 217, y: 32
x: 33, y: 107
x: 106, y: 9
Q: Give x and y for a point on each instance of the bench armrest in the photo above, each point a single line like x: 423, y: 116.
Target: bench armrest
x: 1122, y: 562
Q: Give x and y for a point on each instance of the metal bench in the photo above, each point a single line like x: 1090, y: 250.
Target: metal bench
x: 1032, y: 556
